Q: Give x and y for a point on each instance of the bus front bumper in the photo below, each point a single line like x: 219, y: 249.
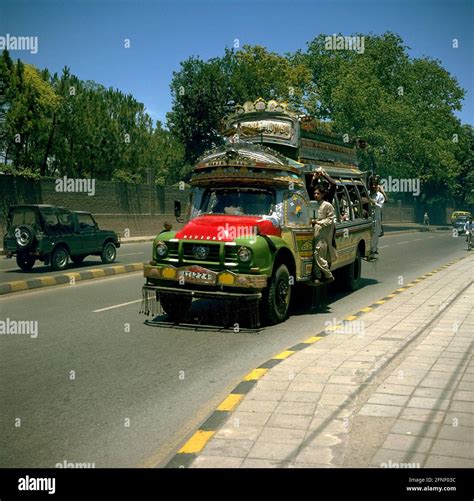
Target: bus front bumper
x: 194, y: 275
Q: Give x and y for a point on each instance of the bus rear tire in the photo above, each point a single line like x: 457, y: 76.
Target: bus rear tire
x: 351, y: 274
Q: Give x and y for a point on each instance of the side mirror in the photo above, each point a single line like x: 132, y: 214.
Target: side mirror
x: 177, y: 209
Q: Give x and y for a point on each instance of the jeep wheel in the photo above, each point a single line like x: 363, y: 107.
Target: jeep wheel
x: 175, y: 306
x: 24, y: 236
x: 25, y: 262
x: 276, y: 300
x: 59, y: 259
x: 109, y: 253
x: 351, y: 274
x: 77, y: 259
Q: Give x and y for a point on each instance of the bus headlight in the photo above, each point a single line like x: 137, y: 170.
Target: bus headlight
x: 161, y: 249
x: 244, y: 254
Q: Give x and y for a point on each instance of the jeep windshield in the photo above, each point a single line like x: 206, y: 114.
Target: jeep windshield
x: 238, y: 201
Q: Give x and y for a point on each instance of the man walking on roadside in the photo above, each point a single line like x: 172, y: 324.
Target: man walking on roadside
x: 377, y: 200
x: 426, y: 219
x: 385, y: 196
x: 469, y: 228
x: 324, y: 225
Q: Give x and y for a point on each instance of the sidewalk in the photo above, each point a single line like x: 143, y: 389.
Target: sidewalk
x: 393, y: 387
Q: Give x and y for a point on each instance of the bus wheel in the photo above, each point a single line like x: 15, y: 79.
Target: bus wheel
x: 175, y: 306
x: 276, y: 300
x: 351, y: 274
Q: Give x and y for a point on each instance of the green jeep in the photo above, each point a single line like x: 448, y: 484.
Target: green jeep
x: 53, y: 235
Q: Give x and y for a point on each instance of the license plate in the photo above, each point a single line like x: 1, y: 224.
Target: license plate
x: 198, y: 276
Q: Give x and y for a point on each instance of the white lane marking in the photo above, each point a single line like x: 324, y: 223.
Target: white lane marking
x: 132, y: 254
x: 406, y: 242
x: 116, y: 306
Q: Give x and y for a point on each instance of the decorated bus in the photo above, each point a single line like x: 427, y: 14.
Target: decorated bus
x: 249, y: 236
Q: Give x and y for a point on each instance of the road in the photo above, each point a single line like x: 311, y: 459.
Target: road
x: 126, y: 254
x: 139, y: 390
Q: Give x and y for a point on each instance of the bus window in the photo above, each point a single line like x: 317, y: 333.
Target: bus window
x: 354, y: 201
x: 364, y: 197
x: 344, y: 211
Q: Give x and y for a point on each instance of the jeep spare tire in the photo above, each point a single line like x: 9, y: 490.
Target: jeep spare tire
x: 24, y: 236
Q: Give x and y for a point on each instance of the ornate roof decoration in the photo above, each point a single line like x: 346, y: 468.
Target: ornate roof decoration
x: 241, y: 153
x: 245, y: 163
x: 260, y: 105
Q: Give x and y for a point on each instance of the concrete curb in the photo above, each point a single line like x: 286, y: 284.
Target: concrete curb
x: 67, y: 278
x: 137, y: 240
x: 196, y: 443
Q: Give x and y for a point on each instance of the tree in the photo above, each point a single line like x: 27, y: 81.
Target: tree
x: 404, y: 108
x: 202, y: 91
x: 199, y: 94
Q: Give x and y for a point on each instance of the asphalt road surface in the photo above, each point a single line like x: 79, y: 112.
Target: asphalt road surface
x: 138, y: 391
x: 126, y: 254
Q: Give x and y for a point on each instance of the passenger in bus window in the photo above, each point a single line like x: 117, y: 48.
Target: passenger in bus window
x: 321, y: 175
x: 343, y: 206
x: 354, y: 199
x: 324, y: 252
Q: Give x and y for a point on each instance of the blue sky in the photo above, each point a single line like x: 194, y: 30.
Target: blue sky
x: 88, y: 36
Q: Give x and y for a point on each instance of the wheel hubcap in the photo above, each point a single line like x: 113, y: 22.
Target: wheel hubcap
x: 282, y: 295
x: 22, y: 238
x: 110, y: 252
x: 61, y: 258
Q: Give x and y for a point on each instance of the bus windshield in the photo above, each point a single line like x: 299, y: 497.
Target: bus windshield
x: 238, y: 201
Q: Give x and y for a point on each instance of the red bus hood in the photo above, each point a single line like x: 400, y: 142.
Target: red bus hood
x: 226, y: 228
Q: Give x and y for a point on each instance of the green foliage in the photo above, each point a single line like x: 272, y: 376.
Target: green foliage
x: 403, y: 107
x: 203, y: 91
x: 63, y: 126
x: 199, y: 97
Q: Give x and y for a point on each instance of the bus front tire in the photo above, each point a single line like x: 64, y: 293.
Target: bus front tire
x: 276, y: 298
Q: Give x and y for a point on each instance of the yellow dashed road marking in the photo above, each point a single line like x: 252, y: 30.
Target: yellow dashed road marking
x: 382, y: 301
x: 19, y: 285
x: 77, y: 276
x: 98, y: 272
x: 333, y: 328
x: 283, y: 355
x: 366, y: 309
x: 197, y: 442
x: 229, y: 403
x: 48, y: 280
x: 119, y: 269
x: 255, y: 374
x: 312, y: 339
x: 351, y: 317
